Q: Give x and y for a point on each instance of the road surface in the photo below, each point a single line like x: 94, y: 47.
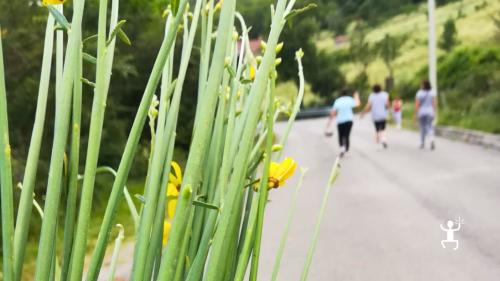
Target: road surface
x: 384, y: 212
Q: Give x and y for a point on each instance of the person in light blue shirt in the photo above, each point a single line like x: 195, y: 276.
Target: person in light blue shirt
x: 343, y: 115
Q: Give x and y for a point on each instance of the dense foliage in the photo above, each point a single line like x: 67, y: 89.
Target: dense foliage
x: 23, y: 45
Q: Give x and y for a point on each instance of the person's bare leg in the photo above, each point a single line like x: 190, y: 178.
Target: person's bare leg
x: 383, y: 138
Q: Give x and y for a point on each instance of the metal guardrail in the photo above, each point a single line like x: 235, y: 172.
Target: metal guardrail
x: 314, y: 113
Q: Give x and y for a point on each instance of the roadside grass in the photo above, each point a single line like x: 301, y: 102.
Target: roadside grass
x: 103, y: 182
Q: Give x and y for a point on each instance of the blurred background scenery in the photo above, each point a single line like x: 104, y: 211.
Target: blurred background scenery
x: 347, y: 43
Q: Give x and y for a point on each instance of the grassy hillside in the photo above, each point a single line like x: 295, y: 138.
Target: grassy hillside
x: 474, y: 25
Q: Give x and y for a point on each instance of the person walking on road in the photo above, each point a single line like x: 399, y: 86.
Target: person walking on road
x: 425, y: 111
x: 343, y: 115
x: 397, y: 111
x: 378, y: 104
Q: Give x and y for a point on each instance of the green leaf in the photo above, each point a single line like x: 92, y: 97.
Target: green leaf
x: 60, y: 18
x: 88, y: 82
x: 91, y: 37
x: 231, y: 71
x: 141, y: 198
x: 121, y: 34
x: 245, y: 81
x: 117, y: 28
x: 205, y: 205
x: 89, y: 58
x: 296, y: 12
x: 175, y: 6
x: 59, y: 27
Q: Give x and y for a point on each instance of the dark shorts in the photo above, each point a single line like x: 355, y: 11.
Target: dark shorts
x: 379, y: 125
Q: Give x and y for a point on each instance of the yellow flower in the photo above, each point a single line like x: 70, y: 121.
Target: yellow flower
x: 52, y: 2
x: 280, y: 172
x: 166, y: 231
x: 252, y: 72
x: 173, y: 188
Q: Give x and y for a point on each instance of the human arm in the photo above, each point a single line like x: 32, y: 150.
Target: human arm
x: 357, y: 101
x: 333, y: 115
x: 367, y: 108
x: 417, y: 107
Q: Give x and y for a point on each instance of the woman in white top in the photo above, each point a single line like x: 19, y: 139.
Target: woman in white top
x: 425, y: 110
x: 378, y: 104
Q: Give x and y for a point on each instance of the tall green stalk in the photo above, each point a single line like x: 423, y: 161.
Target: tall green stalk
x: 130, y: 149
x: 6, y: 179
x: 199, y: 144
x: 71, y: 200
x: 312, y: 248
x: 219, y: 255
x: 161, y: 146
x: 61, y: 125
x: 284, y: 236
x: 29, y: 179
x: 263, y: 189
x: 95, y: 133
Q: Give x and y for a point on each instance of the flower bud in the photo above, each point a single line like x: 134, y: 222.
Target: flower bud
x: 279, y: 47
x: 263, y: 45
x: 277, y: 147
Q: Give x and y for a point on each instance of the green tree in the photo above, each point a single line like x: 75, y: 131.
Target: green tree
x: 496, y: 21
x: 389, y: 49
x: 360, y: 49
x: 449, y: 37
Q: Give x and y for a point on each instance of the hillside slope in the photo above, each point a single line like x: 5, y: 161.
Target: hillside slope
x: 474, y: 25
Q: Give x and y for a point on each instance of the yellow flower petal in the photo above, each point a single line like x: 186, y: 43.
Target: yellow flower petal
x: 286, y: 170
x: 172, y: 194
x: 171, y: 205
x: 252, y: 72
x: 280, y: 172
x: 166, y: 231
x: 172, y: 190
x: 177, y: 171
x: 273, y: 169
x: 52, y: 2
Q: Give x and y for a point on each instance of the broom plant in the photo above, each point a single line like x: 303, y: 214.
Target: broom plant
x: 203, y: 222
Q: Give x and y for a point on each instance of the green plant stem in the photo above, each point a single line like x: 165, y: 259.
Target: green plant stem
x: 179, y: 273
x: 263, y: 190
x: 219, y: 255
x: 71, y: 201
x: 155, y: 246
x: 312, y: 248
x: 205, y: 52
x: 284, y: 236
x: 158, y: 160
x: 298, y: 101
x: 247, y: 247
x: 95, y: 133
x: 198, y: 264
x: 29, y: 178
x: 61, y: 128
x: 132, y: 208
x: 199, y: 144
x: 6, y: 179
x: 130, y: 149
x: 116, y: 252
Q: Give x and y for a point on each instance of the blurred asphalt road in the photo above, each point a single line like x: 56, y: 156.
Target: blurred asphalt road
x: 384, y: 213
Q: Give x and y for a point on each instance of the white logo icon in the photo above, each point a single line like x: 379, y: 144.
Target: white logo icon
x: 450, y: 232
